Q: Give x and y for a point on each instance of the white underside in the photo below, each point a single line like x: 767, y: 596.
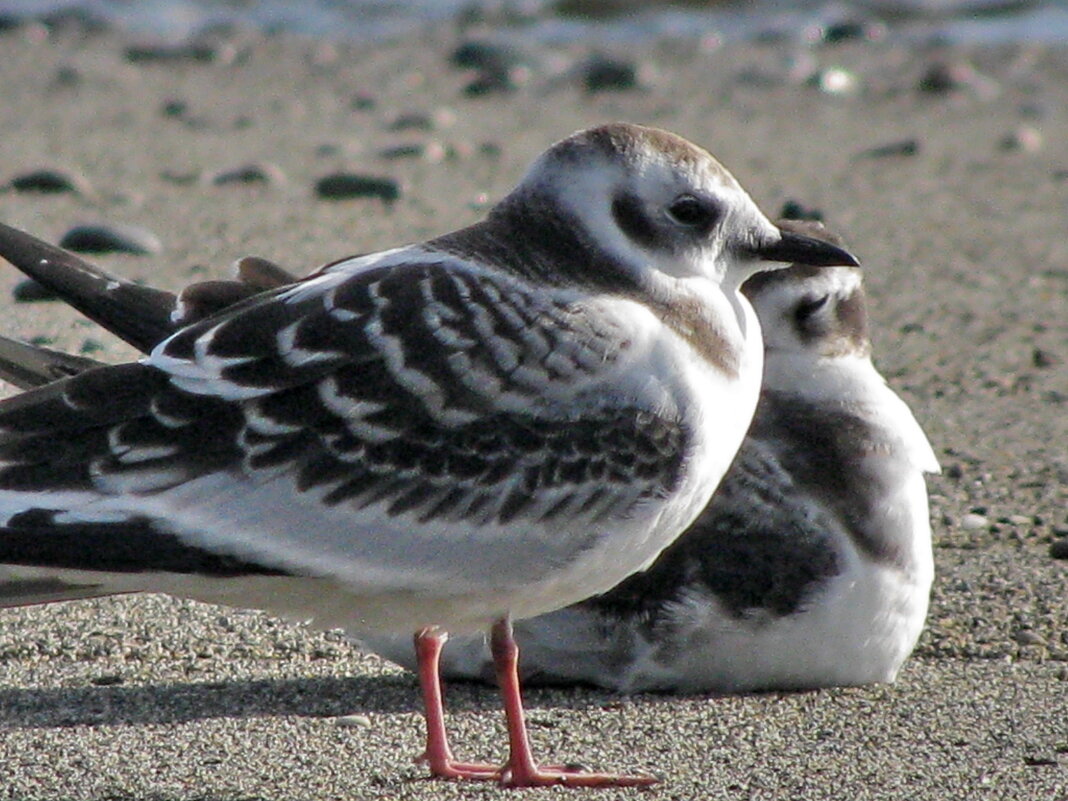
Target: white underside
x: 858, y: 630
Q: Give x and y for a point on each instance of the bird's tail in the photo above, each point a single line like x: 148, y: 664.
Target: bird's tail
x: 28, y: 366
x: 138, y: 314
x: 141, y: 315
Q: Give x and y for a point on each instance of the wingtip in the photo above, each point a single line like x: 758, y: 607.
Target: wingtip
x: 27, y: 366
x: 137, y: 314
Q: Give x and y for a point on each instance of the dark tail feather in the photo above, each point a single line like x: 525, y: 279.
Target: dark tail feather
x: 28, y: 366
x: 140, y: 315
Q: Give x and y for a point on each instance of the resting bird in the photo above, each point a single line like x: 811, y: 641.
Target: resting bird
x: 810, y: 567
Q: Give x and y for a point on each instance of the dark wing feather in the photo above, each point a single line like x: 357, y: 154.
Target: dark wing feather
x: 140, y: 315
x: 761, y: 544
x: 27, y: 366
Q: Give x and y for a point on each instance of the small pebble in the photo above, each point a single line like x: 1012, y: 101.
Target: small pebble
x: 498, y: 68
x: 601, y: 73
x: 179, y: 177
x: 835, y: 81
x: 905, y: 147
x: 974, y: 522
x: 433, y: 152
x: 75, y: 20
x: 362, y: 101
x: 353, y: 721
x: 257, y: 173
x: 412, y: 121
x: 1041, y: 760
x: 174, y: 107
x: 945, y: 78
x: 1026, y: 637
x: 50, y: 181
x: 1025, y: 139
x: 66, y: 77
x: 29, y: 291
x: 795, y: 210
x: 111, y: 239
x: 489, y: 82
x: 404, y: 151
x: 481, y: 55
x: 191, y: 53
x: 846, y: 30
x: 107, y: 680
x: 1043, y: 359
x: 11, y: 21
x: 1058, y: 549
x: 345, y: 185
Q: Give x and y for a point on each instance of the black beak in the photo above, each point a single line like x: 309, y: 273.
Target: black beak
x: 800, y: 249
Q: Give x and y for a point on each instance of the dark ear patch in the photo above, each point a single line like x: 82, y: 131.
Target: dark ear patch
x: 852, y: 315
x: 809, y: 323
x: 631, y: 218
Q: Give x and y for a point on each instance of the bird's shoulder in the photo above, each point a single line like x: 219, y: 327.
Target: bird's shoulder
x: 452, y: 332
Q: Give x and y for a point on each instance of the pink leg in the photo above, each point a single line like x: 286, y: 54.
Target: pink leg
x: 521, y: 770
x: 438, y: 755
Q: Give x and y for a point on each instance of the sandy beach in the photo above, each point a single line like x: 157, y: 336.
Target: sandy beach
x: 945, y: 169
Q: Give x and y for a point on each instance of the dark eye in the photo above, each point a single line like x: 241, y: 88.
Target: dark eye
x: 692, y: 212
x: 809, y: 306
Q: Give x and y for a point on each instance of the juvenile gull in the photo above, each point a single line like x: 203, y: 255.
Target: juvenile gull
x: 440, y: 437
x: 810, y: 567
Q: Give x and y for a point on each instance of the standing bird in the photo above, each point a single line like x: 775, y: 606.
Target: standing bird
x: 441, y: 437
x: 810, y: 567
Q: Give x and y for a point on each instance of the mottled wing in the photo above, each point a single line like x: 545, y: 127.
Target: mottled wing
x: 381, y: 427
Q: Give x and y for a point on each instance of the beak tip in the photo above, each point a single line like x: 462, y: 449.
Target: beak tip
x: 801, y: 249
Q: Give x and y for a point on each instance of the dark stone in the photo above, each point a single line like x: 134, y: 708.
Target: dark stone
x: 174, y: 108
x: 795, y: 210
x: 345, y: 185
x: 362, y: 101
x: 49, y: 181
x: 412, y: 121
x: 111, y: 239
x: 261, y: 173
x: 905, y: 147
x: 849, y: 30
x: 1043, y: 359
x: 170, y: 53
x: 29, y: 291
x: 601, y: 74
x: 489, y: 82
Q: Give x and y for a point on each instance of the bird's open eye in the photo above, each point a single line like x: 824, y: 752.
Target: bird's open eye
x: 692, y: 212
x: 809, y: 306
